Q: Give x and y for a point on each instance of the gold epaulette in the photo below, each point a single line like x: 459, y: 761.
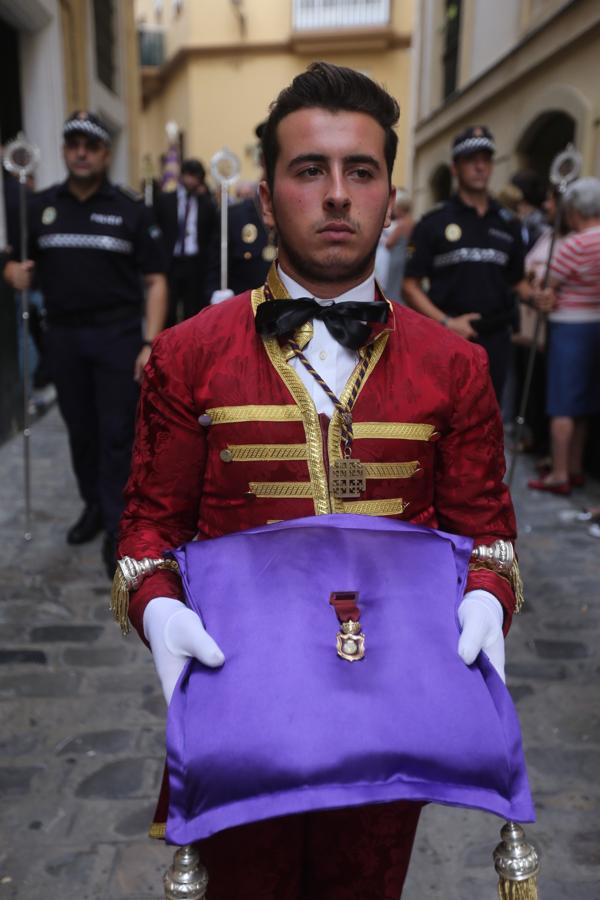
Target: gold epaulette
x: 128, y: 577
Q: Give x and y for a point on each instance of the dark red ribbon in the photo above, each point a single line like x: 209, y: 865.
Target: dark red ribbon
x: 345, y: 604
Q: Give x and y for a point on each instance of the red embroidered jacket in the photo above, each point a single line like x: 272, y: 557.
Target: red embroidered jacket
x: 228, y: 438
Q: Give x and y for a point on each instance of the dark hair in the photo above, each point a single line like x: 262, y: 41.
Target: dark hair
x: 334, y: 88
x: 193, y: 167
x: 532, y: 186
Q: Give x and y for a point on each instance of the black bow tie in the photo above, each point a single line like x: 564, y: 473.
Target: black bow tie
x: 346, y: 322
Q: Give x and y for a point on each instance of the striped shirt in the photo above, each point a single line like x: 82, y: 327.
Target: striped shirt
x: 575, y: 270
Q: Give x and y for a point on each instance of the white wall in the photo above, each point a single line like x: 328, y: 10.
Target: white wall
x: 42, y: 84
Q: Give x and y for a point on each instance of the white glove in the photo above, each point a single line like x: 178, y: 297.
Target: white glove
x: 480, y: 617
x: 219, y: 296
x: 175, y: 633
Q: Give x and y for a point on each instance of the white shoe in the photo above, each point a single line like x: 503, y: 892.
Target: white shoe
x: 574, y: 515
x: 594, y: 530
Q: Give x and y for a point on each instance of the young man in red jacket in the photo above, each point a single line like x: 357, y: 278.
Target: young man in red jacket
x: 235, y: 431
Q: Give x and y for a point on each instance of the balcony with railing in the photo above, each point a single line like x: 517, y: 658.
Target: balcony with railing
x: 326, y: 14
x: 151, y: 50
x: 322, y: 24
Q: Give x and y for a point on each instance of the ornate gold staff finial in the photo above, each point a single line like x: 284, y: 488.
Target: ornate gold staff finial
x: 517, y: 863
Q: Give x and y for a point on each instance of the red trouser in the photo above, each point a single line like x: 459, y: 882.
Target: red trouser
x: 343, y: 854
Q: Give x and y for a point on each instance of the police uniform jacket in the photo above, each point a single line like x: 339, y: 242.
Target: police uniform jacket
x: 470, y: 261
x: 247, y: 239
x: 229, y: 439
x: 90, y: 253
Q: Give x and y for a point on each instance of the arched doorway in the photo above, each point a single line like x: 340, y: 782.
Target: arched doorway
x: 440, y: 183
x: 547, y: 135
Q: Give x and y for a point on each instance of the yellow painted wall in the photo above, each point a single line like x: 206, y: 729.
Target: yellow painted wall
x: 230, y: 96
x: 219, y: 98
x: 172, y: 104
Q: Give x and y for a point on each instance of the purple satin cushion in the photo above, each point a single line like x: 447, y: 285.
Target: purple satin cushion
x: 286, y: 726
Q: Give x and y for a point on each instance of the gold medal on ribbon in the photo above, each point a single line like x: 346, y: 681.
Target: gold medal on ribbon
x: 350, y: 641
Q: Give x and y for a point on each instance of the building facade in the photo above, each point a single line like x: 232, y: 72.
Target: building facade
x: 60, y: 55
x: 524, y: 68
x: 214, y: 68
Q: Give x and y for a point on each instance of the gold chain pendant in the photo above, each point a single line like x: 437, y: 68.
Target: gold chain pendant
x: 347, y: 479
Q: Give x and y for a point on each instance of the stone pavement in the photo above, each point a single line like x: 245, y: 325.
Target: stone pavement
x: 82, y: 716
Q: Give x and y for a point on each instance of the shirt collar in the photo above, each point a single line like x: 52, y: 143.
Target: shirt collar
x: 363, y: 291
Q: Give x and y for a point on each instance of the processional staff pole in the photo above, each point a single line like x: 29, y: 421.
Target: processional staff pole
x: 21, y: 158
x: 225, y: 169
x: 565, y: 168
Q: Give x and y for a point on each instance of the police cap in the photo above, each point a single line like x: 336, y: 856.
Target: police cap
x: 88, y: 123
x: 472, y: 140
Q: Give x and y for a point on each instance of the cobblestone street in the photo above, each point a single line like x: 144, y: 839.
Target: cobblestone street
x: 81, y: 739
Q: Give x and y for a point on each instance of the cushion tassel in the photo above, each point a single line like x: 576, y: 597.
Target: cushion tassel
x: 517, y: 586
x: 517, y: 863
x: 518, y: 890
x: 119, y: 601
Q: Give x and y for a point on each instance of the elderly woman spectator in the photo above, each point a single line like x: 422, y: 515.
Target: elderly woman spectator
x: 572, y: 302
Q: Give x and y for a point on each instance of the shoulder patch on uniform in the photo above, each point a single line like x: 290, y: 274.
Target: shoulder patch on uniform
x: 129, y: 192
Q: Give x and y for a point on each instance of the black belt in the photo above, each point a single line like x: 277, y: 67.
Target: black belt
x: 94, y: 316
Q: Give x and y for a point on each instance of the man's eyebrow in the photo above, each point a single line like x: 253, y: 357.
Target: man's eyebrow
x: 353, y: 159
x: 307, y: 158
x: 363, y: 158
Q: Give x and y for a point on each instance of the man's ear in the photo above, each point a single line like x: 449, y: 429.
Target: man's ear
x: 390, y: 208
x: 266, y: 204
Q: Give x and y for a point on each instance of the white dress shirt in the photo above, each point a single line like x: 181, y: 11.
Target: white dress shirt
x: 333, y: 362
x: 190, y: 244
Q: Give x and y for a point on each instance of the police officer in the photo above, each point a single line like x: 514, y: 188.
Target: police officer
x: 251, y: 246
x: 94, y: 245
x: 471, y: 252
